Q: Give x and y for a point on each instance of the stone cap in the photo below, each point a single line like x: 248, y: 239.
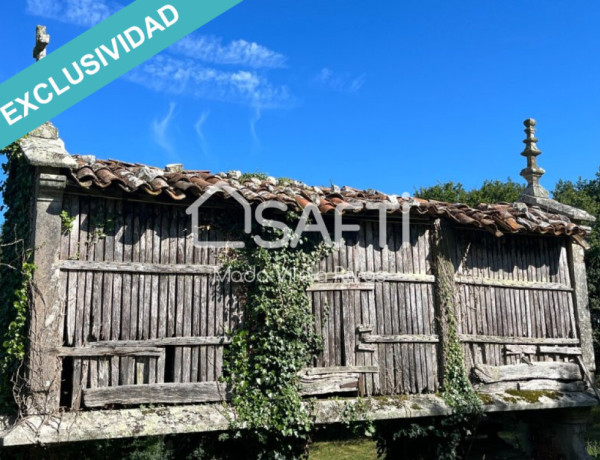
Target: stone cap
x: 536, y: 195
x: 43, y: 147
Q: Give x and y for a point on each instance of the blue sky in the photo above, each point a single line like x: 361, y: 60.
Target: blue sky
x: 387, y: 95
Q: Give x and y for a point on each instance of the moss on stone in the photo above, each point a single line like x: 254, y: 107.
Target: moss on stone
x: 531, y: 396
x: 486, y: 398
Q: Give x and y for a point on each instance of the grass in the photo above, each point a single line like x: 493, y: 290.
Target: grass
x: 349, y: 449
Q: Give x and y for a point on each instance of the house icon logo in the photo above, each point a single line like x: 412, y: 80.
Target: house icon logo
x: 228, y: 192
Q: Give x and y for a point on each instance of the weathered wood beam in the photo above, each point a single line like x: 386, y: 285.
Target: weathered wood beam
x: 366, y: 348
x: 110, y: 351
x: 542, y: 370
x: 517, y: 340
x: 161, y: 393
x: 560, y: 350
x: 164, y: 342
x: 341, y: 370
x: 396, y: 277
x: 536, y: 385
x: 405, y: 338
x: 341, y: 287
x: 581, y: 300
x: 512, y: 284
x: 198, y: 418
x: 136, y: 267
x: 318, y: 384
x: 520, y: 349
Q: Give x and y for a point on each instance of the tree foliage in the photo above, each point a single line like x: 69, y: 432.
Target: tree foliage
x: 492, y: 191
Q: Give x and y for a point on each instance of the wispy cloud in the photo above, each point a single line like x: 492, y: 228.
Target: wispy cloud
x: 85, y: 13
x: 238, y: 52
x: 253, y: 120
x: 185, y: 77
x: 160, y: 132
x: 198, y: 66
x: 199, y: 128
x: 342, y: 82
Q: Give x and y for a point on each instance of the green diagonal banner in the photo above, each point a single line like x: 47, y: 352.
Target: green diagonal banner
x: 97, y: 57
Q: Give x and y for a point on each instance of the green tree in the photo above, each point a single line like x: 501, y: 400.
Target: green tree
x: 585, y: 194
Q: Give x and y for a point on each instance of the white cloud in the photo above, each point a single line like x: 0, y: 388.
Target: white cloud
x: 179, y: 70
x: 185, y: 77
x: 159, y: 132
x: 238, y: 52
x: 85, y: 13
x: 341, y: 82
x: 199, y: 127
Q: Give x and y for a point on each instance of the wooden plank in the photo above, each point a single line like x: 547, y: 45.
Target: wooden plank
x: 399, y: 277
x: 532, y: 385
x: 311, y: 385
x: 406, y: 338
x: 575, y: 351
x: 517, y: 340
x: 341, y: 287
x: 520, y: 349
x: 77, y: 376
x: 340, y: 370
x: 108, y: 351
x: 513, y: 284
x: 166, y: 341
x: 138, y: 267
x: 161, y: 393
x: 542, y: 370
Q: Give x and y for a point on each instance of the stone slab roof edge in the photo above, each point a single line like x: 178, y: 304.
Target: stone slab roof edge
x: 43, y: 147
x: 550, y: 205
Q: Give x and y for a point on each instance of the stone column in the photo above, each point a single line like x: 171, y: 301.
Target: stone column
x: 560, y: 434
x: 45, y: 151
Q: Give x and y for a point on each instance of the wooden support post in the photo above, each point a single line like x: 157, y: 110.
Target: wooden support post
x: 444, y: 267
x: 44, y: 364
x: 581, y: 301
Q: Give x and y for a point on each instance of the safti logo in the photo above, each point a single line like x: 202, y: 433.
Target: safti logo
x: 311, y: 220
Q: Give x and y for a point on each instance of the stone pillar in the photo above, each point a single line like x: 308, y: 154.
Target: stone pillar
x: 560, y: 434
x: 582, y: 307
x: 45, y: 151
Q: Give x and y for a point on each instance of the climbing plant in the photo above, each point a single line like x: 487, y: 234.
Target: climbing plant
x: 16, y: 270
x: 443, y: 437
x: 276, y: 341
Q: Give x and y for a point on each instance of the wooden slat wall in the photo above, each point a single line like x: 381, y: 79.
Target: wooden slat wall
x: 107, y: 306
x: 393, y: 308
x: 512, y: 311
x: 387, y: 321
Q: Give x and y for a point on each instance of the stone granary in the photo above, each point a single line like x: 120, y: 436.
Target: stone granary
x: 127, y: 311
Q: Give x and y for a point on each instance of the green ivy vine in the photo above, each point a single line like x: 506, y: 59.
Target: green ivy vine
x: 276, y: 340
x: 16, y: 269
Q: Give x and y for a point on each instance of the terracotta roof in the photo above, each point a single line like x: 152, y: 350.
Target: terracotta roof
x: 496, y: 218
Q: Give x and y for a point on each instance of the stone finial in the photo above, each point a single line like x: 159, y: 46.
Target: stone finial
x: 532, y: 172
x: 41, y: 42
